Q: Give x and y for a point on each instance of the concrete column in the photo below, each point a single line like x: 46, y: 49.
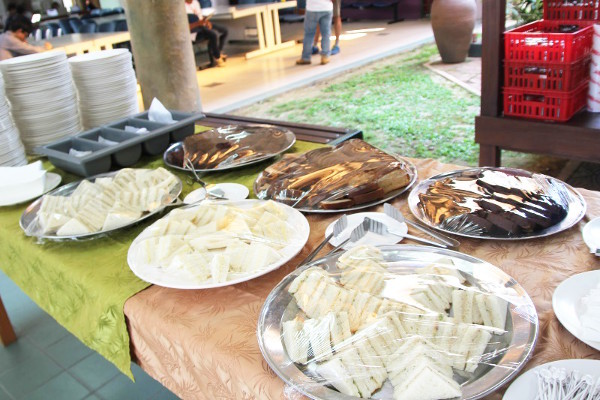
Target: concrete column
x: 162, y: 49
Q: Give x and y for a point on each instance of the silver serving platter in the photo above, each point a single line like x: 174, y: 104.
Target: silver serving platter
x: 173, y: 156
x: 575, y: 212
x: 29, y: 215
x: 513, y: 349
x: 410, y: 168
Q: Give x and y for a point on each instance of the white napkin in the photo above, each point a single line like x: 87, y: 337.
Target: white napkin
x: 158, y: 113
x: 106, y: 141
x: 135, y: 129
x: 79, y: 153
x: 590, y: 318
x: 19, y: 184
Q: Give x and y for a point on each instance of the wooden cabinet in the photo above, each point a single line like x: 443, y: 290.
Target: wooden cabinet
x: 578, y: 139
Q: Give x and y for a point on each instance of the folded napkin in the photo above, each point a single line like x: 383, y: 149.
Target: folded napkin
x: 135, y: 129
x: 18, y: 184
x: 590, y: 318
x: 158, y: 113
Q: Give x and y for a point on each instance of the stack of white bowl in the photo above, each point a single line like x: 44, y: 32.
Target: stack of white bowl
x: 12, y: 152
x: 106, y: 86
x: 42, y: 97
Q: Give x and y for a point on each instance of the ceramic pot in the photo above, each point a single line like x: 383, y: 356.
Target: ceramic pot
x: 453, y: 22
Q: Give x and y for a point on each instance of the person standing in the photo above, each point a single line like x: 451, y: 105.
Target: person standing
x: 318, y: 13
x: 337, y: 29
x: 13, y: 43
x: 216, y: 34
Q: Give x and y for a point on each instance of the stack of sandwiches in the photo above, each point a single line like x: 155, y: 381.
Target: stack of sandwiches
x: 355, y: 339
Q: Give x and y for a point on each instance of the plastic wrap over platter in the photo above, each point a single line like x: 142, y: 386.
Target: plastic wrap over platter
x: 230, y: 146
x: 214, y: 244
x: 100, y: 204
x: 397, y: 322
x: 349, y: 176
x: 496, y: 203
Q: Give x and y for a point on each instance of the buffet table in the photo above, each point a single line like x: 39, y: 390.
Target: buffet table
x: 202, y: 343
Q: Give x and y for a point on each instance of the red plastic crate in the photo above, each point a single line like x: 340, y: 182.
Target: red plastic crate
x: 544, y: 105
x: 546, y: 76
x: 569, y: 11
x: 541, y: 41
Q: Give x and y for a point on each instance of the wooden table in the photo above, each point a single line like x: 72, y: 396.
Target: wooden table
x: 267, y: 24
x: 80, y: 43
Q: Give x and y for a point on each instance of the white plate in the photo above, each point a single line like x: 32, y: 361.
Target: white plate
x: 161, y: 277
x: 52, y: 181
x: 231, y: 191
x: 525, y: 387
x: 591, y: 234
x: 566, y: 302
x: 370, y: 238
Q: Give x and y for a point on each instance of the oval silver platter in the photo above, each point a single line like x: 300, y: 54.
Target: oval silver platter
x: 576, y: 206
x: 513, y: 349
x: 410, y: 168
x: 30, y: 213
x: 173, y: 156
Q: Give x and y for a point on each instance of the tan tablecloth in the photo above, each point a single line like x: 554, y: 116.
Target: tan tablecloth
x: 201, y: 344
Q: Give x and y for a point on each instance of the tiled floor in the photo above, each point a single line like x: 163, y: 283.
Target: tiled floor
x: 49, y: 363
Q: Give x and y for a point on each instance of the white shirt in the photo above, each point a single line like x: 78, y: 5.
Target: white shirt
x: 11, y: 46
x: 193, y: 8
x: 319, y: 5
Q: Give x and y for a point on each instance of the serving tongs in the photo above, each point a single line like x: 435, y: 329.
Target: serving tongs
x: 393, y: 212
x: 338, y: 228
x: 214, y: 194
x: 379, y: 228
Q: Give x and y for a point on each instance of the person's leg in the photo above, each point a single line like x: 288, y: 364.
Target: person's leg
x: 310, y: 27
x: 337, y: 25
x: 337, y: 29
x: 315, y: 49
x: 223, y: 32
x: 325, y: 23
x: 213, y: 41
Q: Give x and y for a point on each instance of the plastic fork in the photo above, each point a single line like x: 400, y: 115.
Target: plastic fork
x: 338, y: 228
x: 371, y: 225
x: 393, y: 212
x: 216, y: 194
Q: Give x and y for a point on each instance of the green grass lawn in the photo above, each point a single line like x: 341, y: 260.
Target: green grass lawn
x: 398, y: 103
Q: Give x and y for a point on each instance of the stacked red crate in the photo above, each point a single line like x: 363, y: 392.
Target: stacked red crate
x: 546, y: 68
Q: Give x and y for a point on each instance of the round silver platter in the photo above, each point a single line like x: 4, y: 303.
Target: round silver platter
x: 408, y: 166
x: 508, y: 353
x: 30, y: 213
x: 575, y: 208
x: 173, y: 156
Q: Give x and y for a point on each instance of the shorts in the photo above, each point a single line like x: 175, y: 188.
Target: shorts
x: 337, y: 5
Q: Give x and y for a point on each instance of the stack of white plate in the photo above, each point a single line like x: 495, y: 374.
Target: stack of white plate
x: 12, y: 152
x: 106, y: 86
x: 42, y: 97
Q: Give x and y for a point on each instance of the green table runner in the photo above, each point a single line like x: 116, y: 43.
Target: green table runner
x: 84, y: 284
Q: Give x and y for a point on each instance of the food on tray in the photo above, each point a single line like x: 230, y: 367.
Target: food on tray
x: 355, y: 337
x: 495, y: 202
x: 217, y: 242
x: 347, y: 175
x: 107, y: 203
x: 229, y: 145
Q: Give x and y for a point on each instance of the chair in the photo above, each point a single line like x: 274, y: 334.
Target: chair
x: 119, y: 10
x: 192, y: 18
x: 107, y: 26
x: 96, y: 12
x: 88, y: 27
x: 65, y: 26
x: 75, y: 24
x: 121, y: 25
